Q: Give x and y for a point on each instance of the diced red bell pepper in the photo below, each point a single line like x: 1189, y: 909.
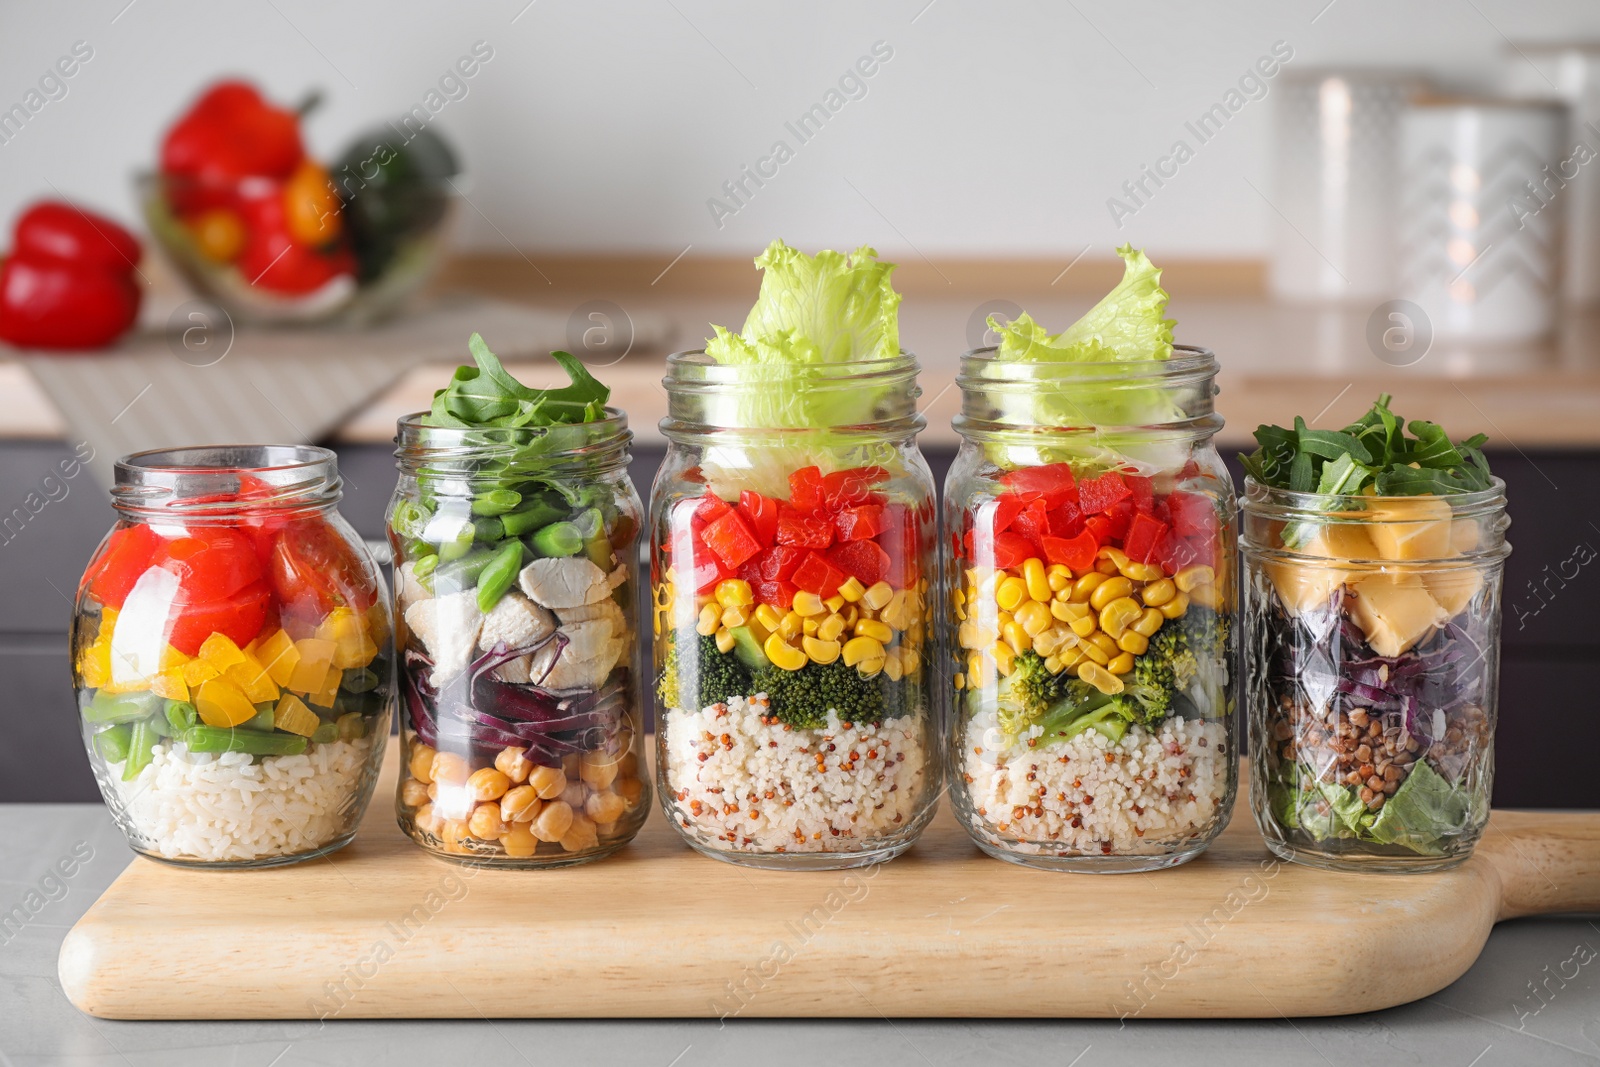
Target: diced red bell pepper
x: 760, y: 514
x: 240, y: 617
x: 817, y: 575
x: 1100, y: 527
x: 1099, y: 494
x: 1065, y: 521
x: 1145, y: 535
x: 1010, y: 550
x: 1052, y: 482
x: 1076, y: 552
x: 708, y: 571
x: 866, y: 560
x: 779, y: 594
x: 1190, y: 469
x: 126, y: 556
x: 1193, y: 514
x: 998, y: 514
x: 1033, y: 522
x: 730, y: 538
x: 803, y: 529
x: 853, y: 486
x: 860, y: 523
x: 1121, y: 516
x: 779, y: 562
x: 1143, y: 490
x: 711, y: 507
x: 902, y: 540
x: 805, y: 488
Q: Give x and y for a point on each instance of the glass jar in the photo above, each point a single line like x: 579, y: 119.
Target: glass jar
x: 232, y: 657
x: 1090, y: 584
x: 791, y: 566
x: 1371, y: 665
x: 516, y: 569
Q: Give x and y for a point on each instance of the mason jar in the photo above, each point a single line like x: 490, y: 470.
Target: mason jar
x: 233, y: 658
x: 792, y: 551
x: 1371, y: 669
x: 515, y: 577
x: 1090, y: 593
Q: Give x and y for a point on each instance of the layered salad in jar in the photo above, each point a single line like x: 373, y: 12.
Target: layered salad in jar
x: 515, y: 526
x: 1091, y: 590
x: 1373, y: 630
x: 791, y: 602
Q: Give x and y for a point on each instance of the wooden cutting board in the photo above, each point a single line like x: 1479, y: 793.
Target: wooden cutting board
x: 381, y: 930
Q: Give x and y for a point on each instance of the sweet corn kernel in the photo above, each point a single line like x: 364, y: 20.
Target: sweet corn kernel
x: 725, y: 641
x: 734, y: 592
x: 1118, y: 615
x: 852, y: 590
x: 1092, y: 651
x: 1012, y: 591
x: 1004, y: 657
x: 892, y: 667
x: 1121, y: 663
x: 869, y: 668
x: 1059, y: 575
x: 809, y: 626
x: 961, y: 679
x: 981, y: 670
x: 1135, y: 643
x: 831, y: 627
x: 1158, y: 592
x: 807, y: 603
x: 850, y: 614
x: 789, y: 626
x: 1034, y: 617
x: 1207, y: 596
x: 783, y: 654
x: 1187, y: 579
x: 910, y: 659
x: 1034, y: 576
x: 1174, y: 608
x: 834, y: 603
x: 879, y: 593
x: 1142, y: 572
x: 1085, y: 626
x: 1017, y: 638
x: 1048, y: 642
x: 1084, y: 586
x: 1114, y: 554
x: 1148, y: 623
x: 1105, y: 643
x: 1052, y: 664
x: 1107, y: 567
x: 875, y: 629
x: 1102, y: 679
x: 768, y: 616
x: 710, y: 617
x: 732, y: 617
x: 860, y: 648
x: 1109, y: 590
x: 819, y: 651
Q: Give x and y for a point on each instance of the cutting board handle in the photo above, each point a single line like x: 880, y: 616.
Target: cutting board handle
x: 1547, y: 861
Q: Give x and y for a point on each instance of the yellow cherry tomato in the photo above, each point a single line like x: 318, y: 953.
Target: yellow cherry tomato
x: 311, y: 205
x: 218, y: 234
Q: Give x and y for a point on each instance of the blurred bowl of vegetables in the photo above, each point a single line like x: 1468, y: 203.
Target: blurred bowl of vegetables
x: 273, y: 236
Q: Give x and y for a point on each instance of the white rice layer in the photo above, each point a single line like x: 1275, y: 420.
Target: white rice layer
x: 200, y: 806
x: 744, y: 784
x: 1149, y: 792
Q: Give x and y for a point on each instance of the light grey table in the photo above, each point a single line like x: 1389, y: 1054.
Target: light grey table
x: 1532, y: 998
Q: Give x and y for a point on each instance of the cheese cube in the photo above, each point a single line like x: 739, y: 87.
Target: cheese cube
x: 1413, y: 527
x: 1394, y: 611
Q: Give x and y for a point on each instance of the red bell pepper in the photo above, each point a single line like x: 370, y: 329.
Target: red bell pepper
x: 853, y: 486
x: 803, y: 529
x: 229, y: 133
x: 708, y: 571
x: 1143, y: 490
x: 730, y: 539
x: 779, y: 562
x: 860, y: 523
x: 805, y: 488
x: 866, y: 560
x: 817, y: 575
x: 126, y: 556
x: 760, y: 514
x: 1033, y: 522
x: 1121, y: 515
x: 710, y: 506
x: 902, y: 540
x: 1052, y: 482
x: 1076, y: 552
x: 780, y: 594
x: 1193, y: 514
x: 1065, y: 521
x: 998, y: 514
x: 68, y: 282
x: 1099, y: 494
x: 1145, y: 535
x: 1100, y: 527
x: 1011, y: 549
x: 273, y: 259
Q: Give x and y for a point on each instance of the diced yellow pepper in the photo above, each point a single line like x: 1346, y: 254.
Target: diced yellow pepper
x: 170, y: 684
x: 378, y: 621
x: 316, y: 657
x: 220, y: 651
x: 292, y: 715
x: 323, y: 695
x: 221, y: 703
x: 253, y: 678
x: 171, y: 657
x: 198, y: 670
x: 277, y: 653
x: 94, y: 664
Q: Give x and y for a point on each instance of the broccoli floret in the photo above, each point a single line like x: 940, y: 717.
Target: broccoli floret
x: 714, y: 677
x: 1186, y: 649
x: 802, y: 698
x: 1029, y: 692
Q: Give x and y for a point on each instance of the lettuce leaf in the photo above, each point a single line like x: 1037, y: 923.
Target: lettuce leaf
x: 1424, y: 812
x: 1127, y: 324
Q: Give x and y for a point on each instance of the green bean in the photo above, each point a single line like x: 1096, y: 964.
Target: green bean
x: 488, y: 529
x: 457, y: 543
x: 542, y: 512
x: 422, y: 566
x: 352, y: 725
x: 558, y: 539
x: 158, y: 722
x: 359, y: 680
x: 589, y: 522
x: 460, y: 574
x: 497, y: 577
x: 325, y: 734
x: 120, y: 707
x: 113, y: 742
x: 261, y: 720
x: 496, y: 502
x: 181, y: 715
x: 141, y: 747
x: 225, y: 739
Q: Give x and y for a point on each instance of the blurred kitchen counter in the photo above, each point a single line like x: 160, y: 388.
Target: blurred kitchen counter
x: 1277, y: 360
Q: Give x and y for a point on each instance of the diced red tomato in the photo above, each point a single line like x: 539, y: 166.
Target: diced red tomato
x: 730, y: 538
x: 854, y: 486
x: 760, y: 514
x: 1011, y: 549
x: 806, y: 530
x: 777, y: 593
x: 1033, y: 522
x: 711, y: 507
x: 817, y: 575
x: 239, y: 616
x: 210, y: 562
x: 1121, y: 516
x: 1099, y: 494
x: 860, y: 523
x: 805, y: 488
x: 1065, y: 521
x: 127, y: 555
x: 1075, y: 552
x: 313, y: 566
x: 866, y: 560
x: 902, y: 540
x: 1143, y: 490
x: 1144, y: 538
x: 1052, y: 482
x: 1193, y: 514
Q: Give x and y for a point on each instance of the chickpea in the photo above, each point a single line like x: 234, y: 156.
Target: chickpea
x: 519, y: 841
x: 599, y: 769
x: 413, y: 794
x: 449, y: 767
x: 581, y: 835
x: 486, y: 783
x: 605, y: 807
x: 422, y: 763
x: 553, y: 822
x: 520, y: 804
x: 454, y: 834
x: 631, y: 790
x: 426, y: 819
x: 548, y: 782
x: 574, y: 794
x: 486, y: 822
x: 514, y: 764
x: 569, y: 766
x: 628, y: 766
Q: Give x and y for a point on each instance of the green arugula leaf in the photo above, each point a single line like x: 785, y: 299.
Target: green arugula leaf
x: 488, y: 397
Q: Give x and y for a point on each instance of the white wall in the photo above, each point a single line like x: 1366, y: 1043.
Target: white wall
x: 994, y: 128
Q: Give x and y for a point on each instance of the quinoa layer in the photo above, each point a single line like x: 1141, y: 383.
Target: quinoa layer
x: 741, y: 781
x: 1149, y: 793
